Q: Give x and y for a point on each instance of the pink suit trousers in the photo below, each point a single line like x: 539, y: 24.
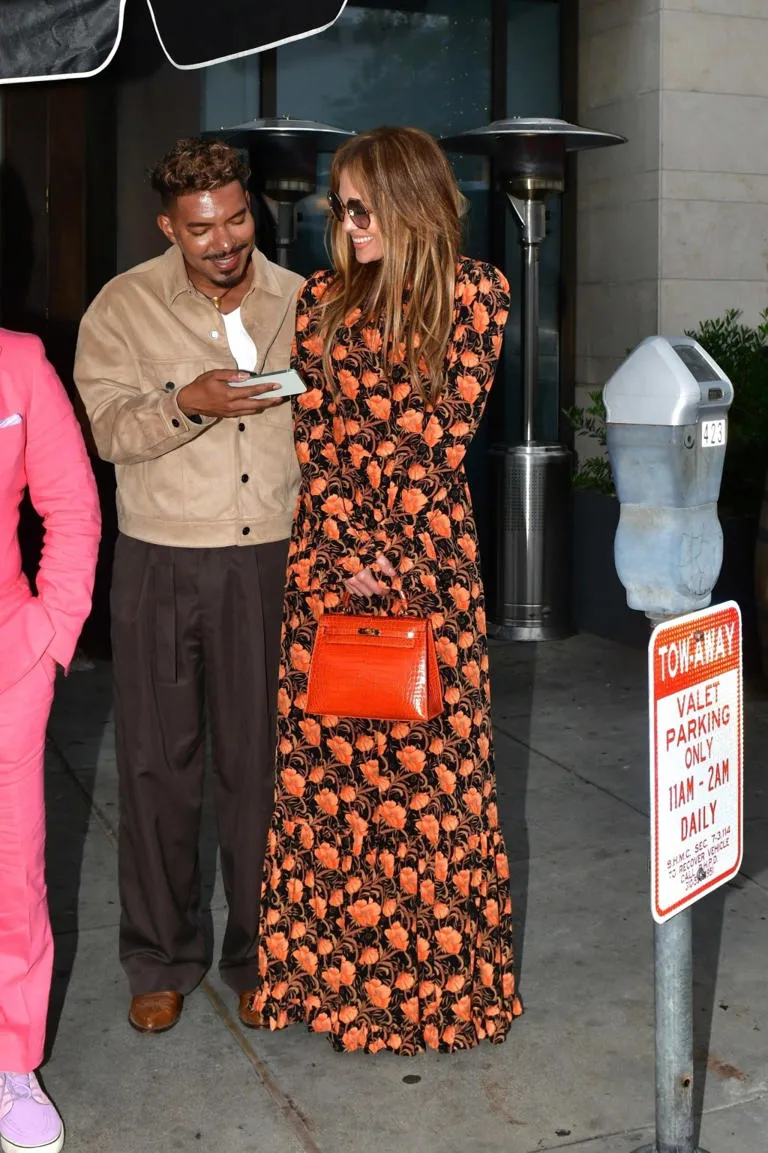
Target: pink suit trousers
x: 42, y: 450
x: 26, y: 955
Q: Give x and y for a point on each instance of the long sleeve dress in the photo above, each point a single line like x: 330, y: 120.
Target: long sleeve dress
x: 386, y: 913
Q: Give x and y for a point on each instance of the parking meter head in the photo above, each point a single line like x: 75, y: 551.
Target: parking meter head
x: 666, y: 410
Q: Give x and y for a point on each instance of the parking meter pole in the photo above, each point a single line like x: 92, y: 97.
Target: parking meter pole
x: 533, y: 221
x: 673, y: 959
x: 666, y: 419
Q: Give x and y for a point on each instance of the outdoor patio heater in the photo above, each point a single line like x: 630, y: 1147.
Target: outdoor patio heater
x: 283, y: 154
x: 532, y: 570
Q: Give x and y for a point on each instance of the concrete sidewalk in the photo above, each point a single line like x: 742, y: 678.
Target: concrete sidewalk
x: 577, y: 1070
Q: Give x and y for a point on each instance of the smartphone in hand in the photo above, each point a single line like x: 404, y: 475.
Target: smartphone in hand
x: 289, y: 380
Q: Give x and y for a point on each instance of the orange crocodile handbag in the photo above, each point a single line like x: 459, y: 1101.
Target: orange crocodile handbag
x: 375, y: 668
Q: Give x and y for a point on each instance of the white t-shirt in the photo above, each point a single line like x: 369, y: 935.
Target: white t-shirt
x: 241, y: 346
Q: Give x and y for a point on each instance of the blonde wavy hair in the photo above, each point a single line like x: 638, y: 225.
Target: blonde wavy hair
x: 406, y: 182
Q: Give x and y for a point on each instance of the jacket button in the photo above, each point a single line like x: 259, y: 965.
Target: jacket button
x: 244, y: 478
x: 241, y: 426
x: 170, y: 385
x: 176, y: 423
x: 246, y: 530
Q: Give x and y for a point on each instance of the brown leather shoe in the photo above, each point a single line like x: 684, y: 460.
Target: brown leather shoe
x: 246, y: 1012
x: 155, y: 1012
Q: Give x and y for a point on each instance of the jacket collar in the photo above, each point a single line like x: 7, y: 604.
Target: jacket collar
x: 175, y: 280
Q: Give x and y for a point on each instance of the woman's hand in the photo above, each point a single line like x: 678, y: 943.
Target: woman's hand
x: 365, y: 584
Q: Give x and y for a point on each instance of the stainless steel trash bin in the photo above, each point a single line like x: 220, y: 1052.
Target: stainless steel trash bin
x: 530, y: 587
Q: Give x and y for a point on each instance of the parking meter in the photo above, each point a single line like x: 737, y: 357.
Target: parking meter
x: 666, y: 410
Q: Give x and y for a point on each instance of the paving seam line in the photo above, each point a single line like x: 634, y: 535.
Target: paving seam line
x: 637, y: 1130
x: 284, y: 1103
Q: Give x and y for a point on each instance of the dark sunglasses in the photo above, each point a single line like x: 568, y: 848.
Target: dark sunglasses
x: 354, y: 209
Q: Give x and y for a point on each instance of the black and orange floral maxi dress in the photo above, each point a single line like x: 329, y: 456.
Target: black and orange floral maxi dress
x: 386, y: 914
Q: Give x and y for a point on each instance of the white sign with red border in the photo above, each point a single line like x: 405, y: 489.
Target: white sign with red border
x: 695, y: 679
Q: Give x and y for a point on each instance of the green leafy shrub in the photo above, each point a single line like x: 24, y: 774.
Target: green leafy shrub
x: 742, y: 353
x: 592, y: 472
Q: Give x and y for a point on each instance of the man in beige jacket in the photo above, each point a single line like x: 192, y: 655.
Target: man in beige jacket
x: 206, y: 486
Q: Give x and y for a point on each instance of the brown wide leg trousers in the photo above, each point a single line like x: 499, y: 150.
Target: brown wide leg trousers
x: 195, y: 641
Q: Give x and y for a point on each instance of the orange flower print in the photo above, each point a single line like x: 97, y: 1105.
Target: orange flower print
x: 348, y: 383
x: 380, y: 406
x: 277, y: 945
x: 391, y: 814
x: 372, y: 338
x: 473, y: 801
x: 422, y: 949
x: 412, y: 759
x: 411, y: 1009
x: 447, y: 653
x: 347, y: 972
x: 365, y: 912
x: 463, y: 1008
x: 328, y: 802
x: 486, y: 973
x: 480, y: 317
x: 295, y: 890
x: 461, y: 881
x: 449, y: 940
x: 440, y: 525
x: 455, y: 455
x: 404, y: 981
x: 319, y: 906
x: 293, y: 782
x: 311, y: 730
x: 340, y: 750
x: 483, y: 746
x: 455, y: 983
x: 299, y: 658
x: 373, y: 472
x: 460, y: 596
x: 441, y: 867
x: 311, y: 399
x: 469, y: 389
x: 378, y: 993
x: 471, y: 673
x: 412, y: 501
x: 502, y: 866
x: 431, y: 1036
x: 508, y: 984
x: 411, y: 420
x: 306, y: 959
x: 398, y: 938
x: 364, y: 743
x: 433, y: 433
x: 491, y: 912
x: 321, y: 1023
x: 427, y: 892
x: 420, y: 801
x: 429, y: 827
x: 460, y: 723
x: 354, y: 1039
x: 446, y: 779
x: 409, y: 881
x: 327, y: 856
x: 369, y: 956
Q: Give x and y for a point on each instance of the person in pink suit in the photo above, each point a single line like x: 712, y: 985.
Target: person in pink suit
x: 41, y: 447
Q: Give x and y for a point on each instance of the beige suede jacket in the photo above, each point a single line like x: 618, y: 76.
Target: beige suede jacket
x: 191, y: 483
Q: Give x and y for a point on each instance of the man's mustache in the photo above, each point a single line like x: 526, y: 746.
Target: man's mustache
x: 226, y: 255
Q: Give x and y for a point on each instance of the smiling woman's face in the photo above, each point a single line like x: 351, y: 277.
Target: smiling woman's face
x: 366, y: 241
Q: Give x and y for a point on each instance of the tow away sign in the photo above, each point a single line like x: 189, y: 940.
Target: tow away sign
x: 695, y: 678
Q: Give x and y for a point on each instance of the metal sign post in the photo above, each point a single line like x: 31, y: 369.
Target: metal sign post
x: 695, y: 715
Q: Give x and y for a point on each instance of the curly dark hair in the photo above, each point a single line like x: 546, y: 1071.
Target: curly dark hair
x: 197, y: 165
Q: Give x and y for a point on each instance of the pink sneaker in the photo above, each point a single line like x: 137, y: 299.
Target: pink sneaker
x: 29, y: 1122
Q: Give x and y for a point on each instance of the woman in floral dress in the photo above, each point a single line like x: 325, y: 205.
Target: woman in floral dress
x: 386, y: 914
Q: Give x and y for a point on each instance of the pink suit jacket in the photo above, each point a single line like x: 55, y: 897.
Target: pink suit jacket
x: 41, y: 446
